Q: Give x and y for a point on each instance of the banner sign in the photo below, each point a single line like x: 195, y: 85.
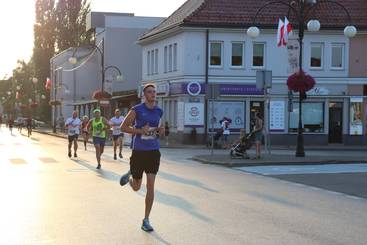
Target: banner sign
x: 356, y: 126
x: 194, y: 114
x: 277, y: 114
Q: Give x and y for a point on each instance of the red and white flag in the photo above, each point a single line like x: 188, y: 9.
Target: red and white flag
x: 280, y: 33
x: 287, y: 29
x: 48, y: 84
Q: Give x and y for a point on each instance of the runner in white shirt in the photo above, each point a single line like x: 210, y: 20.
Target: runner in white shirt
x: 73, y: 125
x: 117, y: 135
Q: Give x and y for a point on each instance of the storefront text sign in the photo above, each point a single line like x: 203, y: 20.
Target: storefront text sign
x: 194, y: 114
x: 318, y: 91
x: 184, y: 88
x: 277, y: 112
x: 234, y: 89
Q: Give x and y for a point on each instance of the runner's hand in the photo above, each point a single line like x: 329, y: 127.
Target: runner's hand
x: 146, y: 129
x: 161, y: 131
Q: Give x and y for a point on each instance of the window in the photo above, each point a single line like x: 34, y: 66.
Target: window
x: 152, y: 62
x: 258, y: 55
x: 215, y: 54
x: 337, y: 56
x: 148, y: 63
x: 316, y: 55
x: 175, y: 57
x: 312, y: 117
x: 237, y: 55
x: 165, y: 59
x: 170, y: 58
x: 156, y: 61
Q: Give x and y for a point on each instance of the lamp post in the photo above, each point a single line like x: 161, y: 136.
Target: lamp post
x: 73, y: 60
x: 302, y: 9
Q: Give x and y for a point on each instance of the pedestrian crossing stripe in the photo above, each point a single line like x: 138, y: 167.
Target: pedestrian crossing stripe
x: 17, y: 161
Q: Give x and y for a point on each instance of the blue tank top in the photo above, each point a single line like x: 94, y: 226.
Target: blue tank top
x: 145, y: 115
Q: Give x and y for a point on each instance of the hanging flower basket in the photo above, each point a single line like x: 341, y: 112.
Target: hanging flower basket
x: 55, y: 102
x: 300, y: 82
x: 101, y: 95
x: 33, y: 105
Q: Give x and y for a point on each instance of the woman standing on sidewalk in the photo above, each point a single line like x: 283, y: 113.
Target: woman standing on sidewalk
x: 258, y: 131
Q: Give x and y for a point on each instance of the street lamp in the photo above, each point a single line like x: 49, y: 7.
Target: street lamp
x: 73, y: 60
x: 302, y: 10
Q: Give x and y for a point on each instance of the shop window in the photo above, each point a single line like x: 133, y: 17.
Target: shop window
x: 215, y: 54
x: 237, y: 55
x: 258, y: 55
x: 337, y: 56
x: 316, y: 55
x: 312, y: 117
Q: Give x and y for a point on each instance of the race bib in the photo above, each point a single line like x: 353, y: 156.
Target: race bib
x: 152, y: 135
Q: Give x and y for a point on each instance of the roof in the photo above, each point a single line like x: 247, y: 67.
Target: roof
x: 240, y: 14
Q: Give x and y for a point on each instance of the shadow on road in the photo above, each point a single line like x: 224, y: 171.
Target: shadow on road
x: 105, y: 174
x: 177, y: 202
x: 274, y: 199
x: 157, y: 237
x: 181, y: 180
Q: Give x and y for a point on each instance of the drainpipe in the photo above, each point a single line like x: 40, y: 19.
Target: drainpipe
x: 206, y: 84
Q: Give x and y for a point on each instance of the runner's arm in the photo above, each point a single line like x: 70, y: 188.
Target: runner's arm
x: 126, y: 125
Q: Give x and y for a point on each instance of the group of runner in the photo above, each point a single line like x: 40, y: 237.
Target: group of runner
x: 20, y: 124
x: 144, y: 123
x: 98, y: 127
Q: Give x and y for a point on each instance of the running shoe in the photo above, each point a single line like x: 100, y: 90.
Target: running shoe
x: 125, y: 178
x: 69, y: 154
x: 114, y: 157
x: 99, y: 166
x: 146, y: 226
x: 75, y: 155
x: 120, y: 155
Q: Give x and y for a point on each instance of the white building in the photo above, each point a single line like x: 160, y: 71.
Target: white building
x: 205, y: 42
x: 115, y: 36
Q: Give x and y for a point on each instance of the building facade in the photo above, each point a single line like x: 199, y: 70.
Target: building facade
x: 115, y: 37
x: 205, y: 68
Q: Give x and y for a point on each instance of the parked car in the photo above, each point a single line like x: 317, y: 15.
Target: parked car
x: 37, y: 123
x: 19, y: 121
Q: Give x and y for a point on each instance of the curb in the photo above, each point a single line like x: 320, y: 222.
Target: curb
x: 277, y: 163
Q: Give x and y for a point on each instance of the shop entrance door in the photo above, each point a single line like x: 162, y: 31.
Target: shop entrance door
x: 255, y: 106
x: 336, y: 122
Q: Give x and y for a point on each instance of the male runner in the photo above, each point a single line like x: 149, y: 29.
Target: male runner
x: 73, y: 125
x: 85, y: 132
x: 146, y: 118
x: 99, y: 126
x: 117, y: 135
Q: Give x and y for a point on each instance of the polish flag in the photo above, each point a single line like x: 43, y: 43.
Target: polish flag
x: 48, y: 84
x: 287, y: 29
x: 280, y: 33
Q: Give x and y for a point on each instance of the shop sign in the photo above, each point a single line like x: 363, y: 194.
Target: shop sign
x: 277, y: 115
x: 194, y: 88
x: 356, y: 126
x: 318, y: 91
x: 234, y: 89
x: 163, y: 89
x: 194, y: 114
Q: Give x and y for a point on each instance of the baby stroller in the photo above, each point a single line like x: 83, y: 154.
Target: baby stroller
x: 238, y: 149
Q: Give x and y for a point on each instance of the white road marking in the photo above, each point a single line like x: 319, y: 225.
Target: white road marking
x: 306, y: 169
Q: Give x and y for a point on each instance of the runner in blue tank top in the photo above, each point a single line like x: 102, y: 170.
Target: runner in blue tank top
x: 144, y: 122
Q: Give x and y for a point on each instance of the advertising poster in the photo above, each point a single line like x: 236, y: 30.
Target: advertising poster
x: 233, y: 110
x: 108, y: 85
x: 194, y: 114
x: 293, y: 56
x: 180, y: 115
x: 356, y: 126
x: 277, y: 113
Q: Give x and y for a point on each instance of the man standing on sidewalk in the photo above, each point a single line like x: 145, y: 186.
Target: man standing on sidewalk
x: 144, y: 122
x: 117, y: 135
x: 73, y: 125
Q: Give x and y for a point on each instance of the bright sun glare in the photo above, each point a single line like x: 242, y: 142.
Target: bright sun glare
x: 16, y: 41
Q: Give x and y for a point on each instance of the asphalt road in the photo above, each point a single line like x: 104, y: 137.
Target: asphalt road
x: 47, y: 198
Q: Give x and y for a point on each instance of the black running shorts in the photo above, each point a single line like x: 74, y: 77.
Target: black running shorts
x: 71, y: 138
x: 144, y: 161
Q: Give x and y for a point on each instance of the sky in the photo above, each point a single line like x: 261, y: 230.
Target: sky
x: 17, y: 19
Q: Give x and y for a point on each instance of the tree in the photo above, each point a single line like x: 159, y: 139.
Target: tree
x: 71, y: 24
x: 44, y: 47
